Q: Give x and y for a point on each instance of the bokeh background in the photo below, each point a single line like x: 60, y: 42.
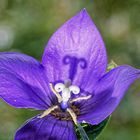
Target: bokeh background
x: 26, y: 26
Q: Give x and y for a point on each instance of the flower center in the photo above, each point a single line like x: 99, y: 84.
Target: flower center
x: 61, y: 115
x: 65, y: 110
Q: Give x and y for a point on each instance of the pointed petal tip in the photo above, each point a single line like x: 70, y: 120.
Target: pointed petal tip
x: 84, y: 12
x: 77, y: 35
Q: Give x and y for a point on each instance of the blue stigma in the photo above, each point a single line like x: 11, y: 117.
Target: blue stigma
x: 64, y: 105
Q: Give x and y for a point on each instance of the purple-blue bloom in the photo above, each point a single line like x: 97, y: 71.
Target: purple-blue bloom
x: 70, y: 85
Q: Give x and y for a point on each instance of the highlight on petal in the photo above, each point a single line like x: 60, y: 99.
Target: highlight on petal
x: 76, y: 51
x: 48, y: 128
x: 108, y: 94
x: 23, y: 81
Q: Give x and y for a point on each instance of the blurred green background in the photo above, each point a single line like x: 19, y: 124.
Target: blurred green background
x: 26, y: 26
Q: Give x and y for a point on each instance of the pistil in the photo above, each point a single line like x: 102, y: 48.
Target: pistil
x: 64, y: 101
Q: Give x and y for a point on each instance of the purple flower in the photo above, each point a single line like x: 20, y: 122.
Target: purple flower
x: 70, y: 85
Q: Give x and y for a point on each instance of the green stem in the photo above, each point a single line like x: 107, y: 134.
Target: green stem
x: 82, y: 132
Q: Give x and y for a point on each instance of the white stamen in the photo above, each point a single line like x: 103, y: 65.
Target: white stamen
x: 73, y: 115
x: 56, y: 93
x: 48, y: 111
x: 80, y: 98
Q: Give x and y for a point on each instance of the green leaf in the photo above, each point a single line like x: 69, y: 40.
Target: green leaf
x: 92, y: 131
x: 111, y: 65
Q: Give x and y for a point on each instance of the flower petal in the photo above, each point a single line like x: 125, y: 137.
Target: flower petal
x: 108, y: 94
x: 19, y: 71
x: 76, y: 51
x: 18, y: 93
x: 47, y: 128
